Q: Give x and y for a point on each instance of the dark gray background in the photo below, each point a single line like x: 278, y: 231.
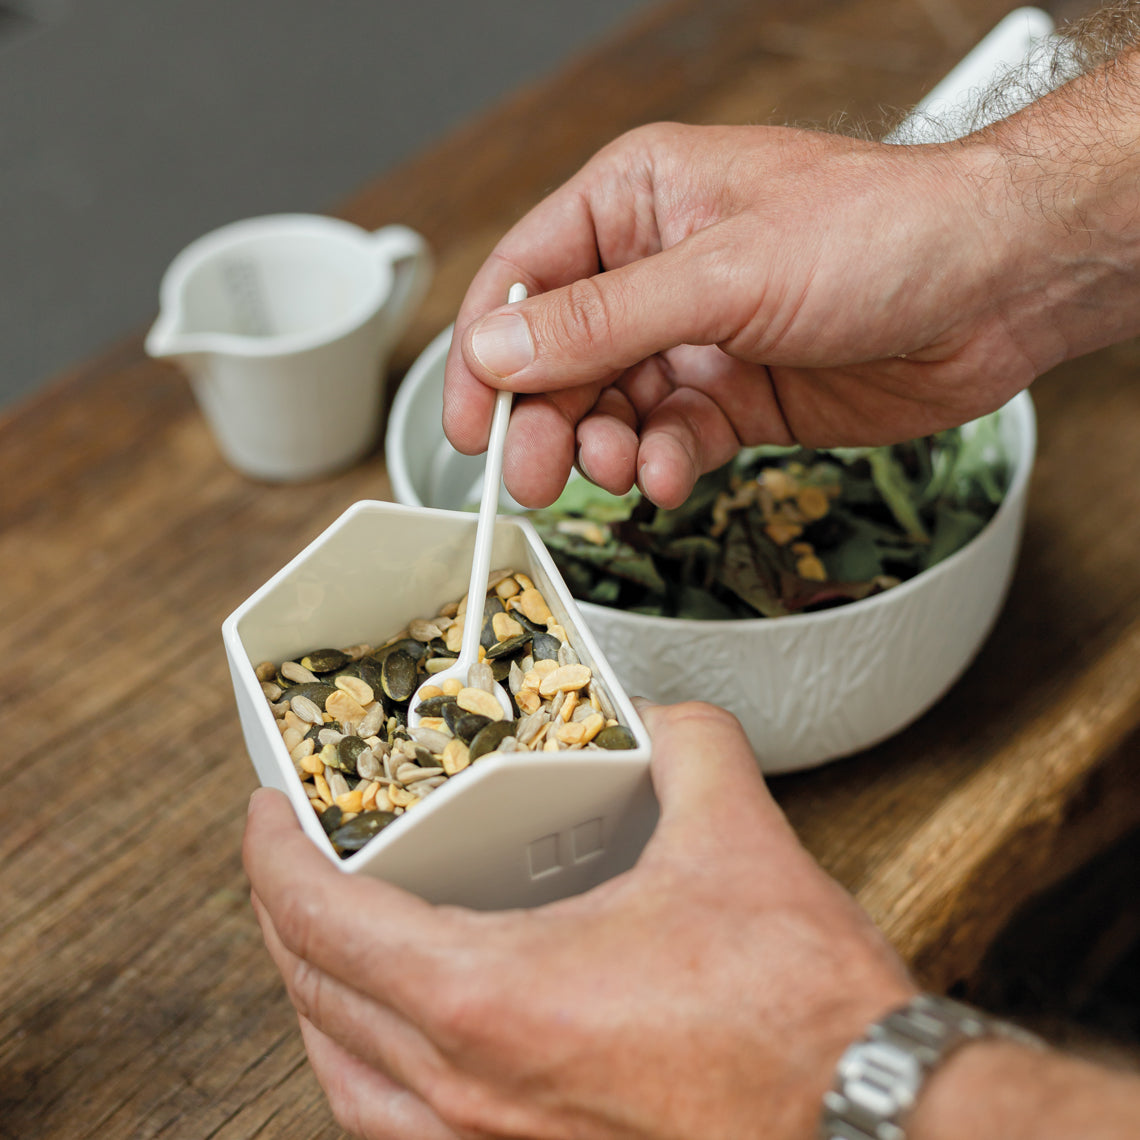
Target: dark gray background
x: 129, y: 127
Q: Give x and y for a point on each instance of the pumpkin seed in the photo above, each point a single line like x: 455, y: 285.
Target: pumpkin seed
x: 331, y: 818
x: 435, y: 706
x: 546, y: 646
x: 408, y: 645
x: 506, y: 648
x: 352, y: 836
x: 316, y: 691
x: 467, y: 724
x: 487, y: 739
x: 398, y: 675
x: 347, y: 751
x: 617, y: 736
x: 325, y: 660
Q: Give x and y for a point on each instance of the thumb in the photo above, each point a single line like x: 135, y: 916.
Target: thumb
x: 706, y: 778
x: 599, y: 326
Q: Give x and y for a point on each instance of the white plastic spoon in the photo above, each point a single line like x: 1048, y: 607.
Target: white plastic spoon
x: 481, y: 559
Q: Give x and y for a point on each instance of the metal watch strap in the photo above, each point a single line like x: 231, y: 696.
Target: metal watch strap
x: 879, y: 1077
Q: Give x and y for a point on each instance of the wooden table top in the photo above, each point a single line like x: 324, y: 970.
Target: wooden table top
x: 135, y: 997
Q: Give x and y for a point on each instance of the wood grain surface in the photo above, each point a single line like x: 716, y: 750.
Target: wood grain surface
x: 135, y: 997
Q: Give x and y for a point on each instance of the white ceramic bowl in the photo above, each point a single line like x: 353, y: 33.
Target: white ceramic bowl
x: 512, y: 830
x: 810, y: 687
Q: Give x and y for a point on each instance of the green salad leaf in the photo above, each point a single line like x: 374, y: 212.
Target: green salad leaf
x: 781, y: 530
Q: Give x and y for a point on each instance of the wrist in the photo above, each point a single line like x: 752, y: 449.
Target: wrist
x: 1000, y: 1090
x: 1059, y: 185
x: 981, y: 1092
x: 882, y: 1076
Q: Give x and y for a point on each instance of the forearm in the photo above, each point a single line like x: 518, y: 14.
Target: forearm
x: 1060, y: 185
x: 997, y: 1090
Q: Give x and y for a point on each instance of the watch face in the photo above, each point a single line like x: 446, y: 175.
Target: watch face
x: 880, y: 1078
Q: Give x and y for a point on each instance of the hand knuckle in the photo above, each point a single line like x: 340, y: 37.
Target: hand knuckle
x: 305, y: 990
x: 464, y: 1107
x: 462, y: 1017
x: 295, y: 920
x: 712, y: 716
x: 585, y: 315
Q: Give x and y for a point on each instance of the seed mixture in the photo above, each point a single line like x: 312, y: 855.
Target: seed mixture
x: 343, y: 713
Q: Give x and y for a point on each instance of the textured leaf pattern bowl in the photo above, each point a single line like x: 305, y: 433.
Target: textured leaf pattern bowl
x: 808, y: 688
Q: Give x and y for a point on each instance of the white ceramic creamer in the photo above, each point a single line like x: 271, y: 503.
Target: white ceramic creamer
x: 285, y: 325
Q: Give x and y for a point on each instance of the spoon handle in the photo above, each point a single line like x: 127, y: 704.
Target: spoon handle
x: 488, y: 512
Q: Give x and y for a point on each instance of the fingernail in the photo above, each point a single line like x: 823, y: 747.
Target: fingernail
x: 502, y: 344
x: 580, y: 463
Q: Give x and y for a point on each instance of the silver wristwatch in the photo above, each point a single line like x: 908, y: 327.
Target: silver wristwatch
x: 878, y: 1079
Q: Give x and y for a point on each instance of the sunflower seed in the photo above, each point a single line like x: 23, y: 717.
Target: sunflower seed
x: 430, y: 738
x: 420, y: 774
x: 369, y: 765
x: 296, y: 673
x: 307, y: 710
x: 479, y: 676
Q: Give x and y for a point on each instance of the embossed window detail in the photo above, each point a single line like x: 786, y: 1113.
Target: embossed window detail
x: 543, y: 856
x: 586, y: 841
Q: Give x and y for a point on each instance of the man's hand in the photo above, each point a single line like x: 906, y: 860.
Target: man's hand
x: 698, y: 289
x: 706, y: 993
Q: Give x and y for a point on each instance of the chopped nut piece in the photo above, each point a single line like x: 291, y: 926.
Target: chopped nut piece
x: 812, y: 502
x: 455, y: 757
x: 505, y: 626
x: 573, y: 733
x: 360, y: 691
x: 532, y: 605
x: 481, y: 702
x: 777, y: 483
x: 340, y: 706
x: 565, y: 678
x: 568, y: 705
x: 453, y: 638
x: 350, y: 801
x: 528, y: 700
x: 781, y: 532
x: 810, y: 567
x: 507, y: 588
